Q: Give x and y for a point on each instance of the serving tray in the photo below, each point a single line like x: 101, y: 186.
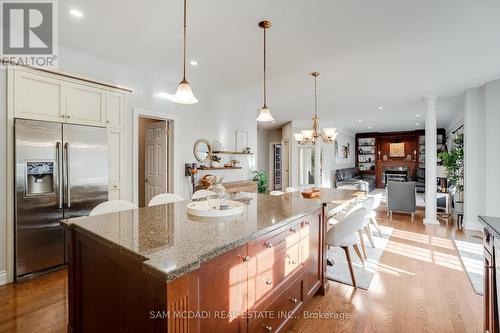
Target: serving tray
x: 202, y: 209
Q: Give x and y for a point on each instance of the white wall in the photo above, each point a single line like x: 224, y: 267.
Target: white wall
x: 482, y: 153
x: 212, y: 118
x: 475, y: 168
x: 492, y: 106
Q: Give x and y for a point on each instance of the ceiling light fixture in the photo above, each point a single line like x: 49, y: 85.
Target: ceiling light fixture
x: 418, y: 124
x: 360, y: 120
x: 380, y: 108
x: 369, y: 127
x: 417, y: 115
x: 264, y: 113
x: 310, y: 137
x: 193, y: 63
x: 184, y: 93
x: 76, y: 13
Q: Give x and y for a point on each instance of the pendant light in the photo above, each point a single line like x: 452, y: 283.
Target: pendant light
x: 309, y: 137
x: 184, y: 93
x: 265, y: 114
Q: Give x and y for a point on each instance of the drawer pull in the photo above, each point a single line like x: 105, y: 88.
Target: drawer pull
x: 268, y: 245
x: 293, y: 300
x: 307, y: 222
x: 293, y: 262
x: 269, y: 282
x: 246, y: 258
x: 267, y: 328
x: 294, y: 230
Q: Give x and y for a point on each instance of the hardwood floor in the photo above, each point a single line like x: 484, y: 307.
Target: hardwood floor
x: 420, y: 287
x: 38, y: 305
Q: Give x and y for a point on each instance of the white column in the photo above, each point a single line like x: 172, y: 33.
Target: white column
x: 431, y: 162
x: 317, y: 163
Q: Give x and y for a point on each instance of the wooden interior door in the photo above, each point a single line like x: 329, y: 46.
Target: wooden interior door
x: 155, y: 164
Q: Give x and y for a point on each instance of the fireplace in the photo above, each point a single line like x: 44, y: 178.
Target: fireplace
x: 395, y: 174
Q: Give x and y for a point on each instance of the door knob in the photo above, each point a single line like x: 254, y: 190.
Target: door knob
x: 146, y: 180
x: 268, y: 328
x: 246, y: 258
x: 293, y: 300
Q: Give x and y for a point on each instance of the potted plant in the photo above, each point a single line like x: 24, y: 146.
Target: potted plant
x: 261, y: 179
x: 215, y: 161
x: 454, y: 162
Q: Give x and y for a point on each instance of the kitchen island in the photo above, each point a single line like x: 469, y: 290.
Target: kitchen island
x: 158, y: 269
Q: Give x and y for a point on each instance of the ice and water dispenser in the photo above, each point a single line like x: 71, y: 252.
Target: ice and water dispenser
x: 39, y: 178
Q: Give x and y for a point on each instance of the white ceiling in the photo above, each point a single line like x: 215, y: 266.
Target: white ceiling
x: 370, y: 53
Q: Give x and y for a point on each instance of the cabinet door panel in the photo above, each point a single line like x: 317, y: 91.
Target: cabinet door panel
x: 222, y: 290
x: 85, y: 105
x: 115, y: 109
x: 310, y: 253
x: 115, y: 162
x: 38, y: 97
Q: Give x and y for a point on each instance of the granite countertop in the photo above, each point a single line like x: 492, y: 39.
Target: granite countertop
x: 492, y: 224
x: 172, y: 243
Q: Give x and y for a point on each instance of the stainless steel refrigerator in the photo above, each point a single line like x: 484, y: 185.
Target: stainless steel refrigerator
x: 61, y: 172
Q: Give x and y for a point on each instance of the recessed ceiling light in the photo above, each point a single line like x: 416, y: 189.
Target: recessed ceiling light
x: 417, y: 115
x: 193, y: 63
x: 369, y: 127
x: 418, y: 124
x: 380, y: 107
x: 76, y: 13
x: 360, y: 120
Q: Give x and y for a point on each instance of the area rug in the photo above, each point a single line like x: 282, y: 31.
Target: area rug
x: 340, y: 270
x: 472, y: 257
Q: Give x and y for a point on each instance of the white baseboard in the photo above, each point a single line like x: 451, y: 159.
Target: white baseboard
x: 429, y: 221
x: 473, y: 225
x: 3, y: 278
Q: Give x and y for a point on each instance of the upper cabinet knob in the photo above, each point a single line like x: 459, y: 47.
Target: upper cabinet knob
x: 246, y: 259
x: 268, y: 245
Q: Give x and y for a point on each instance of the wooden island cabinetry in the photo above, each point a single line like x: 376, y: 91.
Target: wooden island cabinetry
x: 257, y: 287
x: 158, y: 269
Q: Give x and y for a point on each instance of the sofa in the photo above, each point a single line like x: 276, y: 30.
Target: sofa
x: 420, y: 180
x: 352, y: 177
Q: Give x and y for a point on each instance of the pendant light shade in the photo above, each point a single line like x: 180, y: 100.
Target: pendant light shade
x: 184, y: 93
x: 265, y: 113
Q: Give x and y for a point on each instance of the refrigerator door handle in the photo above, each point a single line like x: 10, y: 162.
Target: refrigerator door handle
x: 59, y: 174
x: 68, y: 175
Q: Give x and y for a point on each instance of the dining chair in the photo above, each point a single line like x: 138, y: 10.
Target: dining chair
x: 372, y: 216
x: 347, y: 211
x: 112, y: 206
x: 276, y: 193
x: 343, y: 235
x: 202, y: 194
x: 164, y: 198
x: 368, y: 204
x: 291, y: 189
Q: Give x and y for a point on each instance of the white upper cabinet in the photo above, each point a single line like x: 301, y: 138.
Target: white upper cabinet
x: 85, y: 105
x: 115, y: 107
x: 115, y: 163
x: 37, y: 96
x: 55, y: 97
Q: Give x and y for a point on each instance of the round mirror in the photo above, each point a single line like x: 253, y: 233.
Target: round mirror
x: 202, y: 150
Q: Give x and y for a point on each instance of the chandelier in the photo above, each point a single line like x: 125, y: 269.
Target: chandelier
x: 309, y: 137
